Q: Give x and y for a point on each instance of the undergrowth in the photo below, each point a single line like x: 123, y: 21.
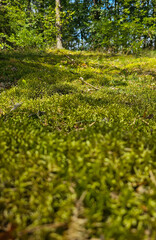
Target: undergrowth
x: 77, y: 146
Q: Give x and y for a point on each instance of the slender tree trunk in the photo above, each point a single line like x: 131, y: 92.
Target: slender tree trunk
x: 58, y: 25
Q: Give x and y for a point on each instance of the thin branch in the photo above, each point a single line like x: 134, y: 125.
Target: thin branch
x: 71, y: 59
x: 144, y: 121
x: 42, y: 227
x: 89, y: 84
x: 152, y: 177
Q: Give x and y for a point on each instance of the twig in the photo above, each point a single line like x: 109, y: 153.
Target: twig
x: 80, y: 200
x: 79, y: 129
x: 81, y: 78
x: 41, y: 227
x: 92, y: 124
x: 144, y: 121
x: 71, y: 59
x: 152, y: 177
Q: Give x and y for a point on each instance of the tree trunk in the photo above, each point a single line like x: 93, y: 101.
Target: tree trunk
x: 58, y: 26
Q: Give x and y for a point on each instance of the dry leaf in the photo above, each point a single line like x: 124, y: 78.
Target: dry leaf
x: 7, y: 233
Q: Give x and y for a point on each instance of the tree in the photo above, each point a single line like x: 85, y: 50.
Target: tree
x: 114, y: 25
x: 58, y: 26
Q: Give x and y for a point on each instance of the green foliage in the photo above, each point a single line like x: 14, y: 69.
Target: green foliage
x: 128, y: 26
x: 28, y: 30
x: 114, y: 26
x: 27, y: 38
x: 77, y: 163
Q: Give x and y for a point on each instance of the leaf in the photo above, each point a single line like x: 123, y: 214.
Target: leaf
x: 7, y: 234
x: 150, y: 116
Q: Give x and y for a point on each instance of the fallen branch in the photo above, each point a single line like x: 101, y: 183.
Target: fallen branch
x: 81, y: 78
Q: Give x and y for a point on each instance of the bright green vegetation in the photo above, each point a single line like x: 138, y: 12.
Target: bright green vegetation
x: 75, y: 157
x: 113, y: 25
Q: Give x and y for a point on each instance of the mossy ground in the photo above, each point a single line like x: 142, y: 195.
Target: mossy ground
x: 77, y: 163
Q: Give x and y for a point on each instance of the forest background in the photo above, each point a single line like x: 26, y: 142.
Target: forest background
x: 113, y: 25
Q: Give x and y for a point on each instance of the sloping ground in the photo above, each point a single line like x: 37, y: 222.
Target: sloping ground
x: 78, y: 161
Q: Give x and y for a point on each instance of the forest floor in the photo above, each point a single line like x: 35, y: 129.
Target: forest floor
x: 77, y: 146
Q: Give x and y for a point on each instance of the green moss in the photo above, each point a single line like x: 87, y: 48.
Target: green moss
x: 72, y: 154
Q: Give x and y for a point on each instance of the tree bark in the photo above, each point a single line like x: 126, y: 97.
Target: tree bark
x: 58, y: 25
